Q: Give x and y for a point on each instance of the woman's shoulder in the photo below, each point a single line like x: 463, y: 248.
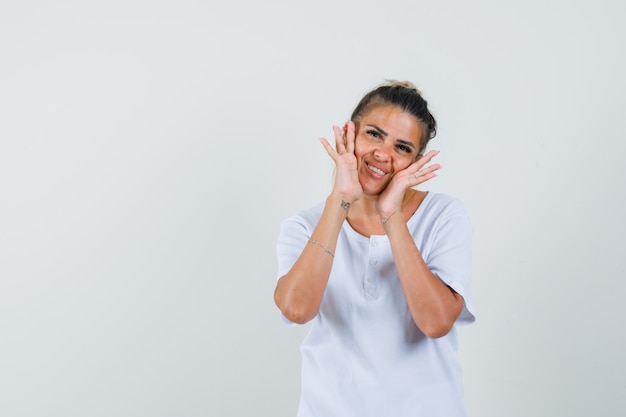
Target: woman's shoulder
x: 307, y: 217
x: 443, y: 203
x: 437, y: 212
x: 443, y: 200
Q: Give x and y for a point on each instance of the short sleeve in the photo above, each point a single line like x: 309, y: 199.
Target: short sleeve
x: 450, y: 257
x: 292, y: 238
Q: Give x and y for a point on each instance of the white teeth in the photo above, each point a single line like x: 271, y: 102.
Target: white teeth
x: 376, y: 170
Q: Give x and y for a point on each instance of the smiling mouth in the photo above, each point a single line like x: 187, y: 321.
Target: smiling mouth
x: 375, y: 170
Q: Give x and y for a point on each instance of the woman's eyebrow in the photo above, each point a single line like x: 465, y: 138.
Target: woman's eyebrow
x: 406, y: 142
x: 378, y: 129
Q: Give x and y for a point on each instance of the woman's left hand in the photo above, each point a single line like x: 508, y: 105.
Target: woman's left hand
x: 390, y: 200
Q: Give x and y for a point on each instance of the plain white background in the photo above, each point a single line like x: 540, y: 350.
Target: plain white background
x: 150, y: 149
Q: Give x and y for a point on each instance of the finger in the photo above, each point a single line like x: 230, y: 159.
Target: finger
x: 329, y: 149
x: 424, y: 175
x: 431, y: 154
x: 423, y: 160
x: 420, y: 179
x: 350, y: 136
x: 429, y: 168
x: 340, y: 145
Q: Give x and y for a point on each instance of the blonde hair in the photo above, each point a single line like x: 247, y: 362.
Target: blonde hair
x: 405, y: 84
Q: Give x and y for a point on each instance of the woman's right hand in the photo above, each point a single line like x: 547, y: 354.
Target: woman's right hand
x: 347, y: 184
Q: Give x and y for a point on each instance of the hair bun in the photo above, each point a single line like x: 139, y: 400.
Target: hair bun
x: 405, y: 84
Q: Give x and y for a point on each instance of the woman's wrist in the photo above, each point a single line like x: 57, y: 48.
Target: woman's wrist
x: 384, y: 219
x: 341, y: 200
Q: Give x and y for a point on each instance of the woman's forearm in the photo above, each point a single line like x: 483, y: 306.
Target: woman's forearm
x: 299, y: 293
x: 433, y: 305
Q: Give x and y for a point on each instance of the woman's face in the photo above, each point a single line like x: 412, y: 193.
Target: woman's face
x: 387, y: 141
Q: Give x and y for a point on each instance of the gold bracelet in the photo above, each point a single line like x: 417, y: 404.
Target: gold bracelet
x: 323, y: 247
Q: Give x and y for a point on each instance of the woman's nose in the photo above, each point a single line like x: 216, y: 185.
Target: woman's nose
x: 382, y: 152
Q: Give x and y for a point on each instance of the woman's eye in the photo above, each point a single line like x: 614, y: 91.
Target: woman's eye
x: 404, y: 148
x: 373, y: 133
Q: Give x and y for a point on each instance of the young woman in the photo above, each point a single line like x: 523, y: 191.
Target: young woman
x: 382, y: 269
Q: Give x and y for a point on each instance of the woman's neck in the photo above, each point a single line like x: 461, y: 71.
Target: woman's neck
x: 364, y: 218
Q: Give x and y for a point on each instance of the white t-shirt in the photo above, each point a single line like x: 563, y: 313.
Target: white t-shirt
x: 364, y: 355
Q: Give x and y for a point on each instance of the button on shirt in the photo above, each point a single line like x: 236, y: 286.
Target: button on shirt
x: 364, y: 355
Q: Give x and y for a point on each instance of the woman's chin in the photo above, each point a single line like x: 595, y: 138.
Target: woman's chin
x: 373, y: 187
x: 373, y: 191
